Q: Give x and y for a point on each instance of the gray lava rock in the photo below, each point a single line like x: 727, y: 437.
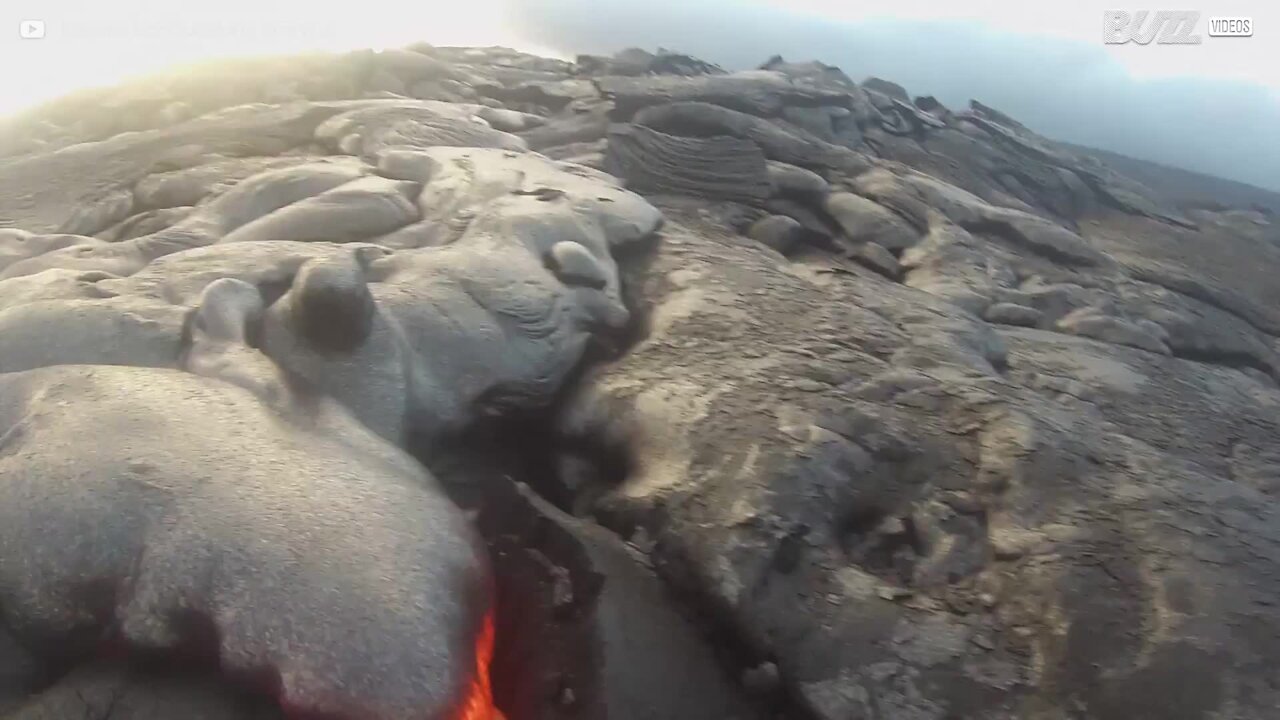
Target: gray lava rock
x: 636, y: 61
x: 411, y: 67
x: 885, y: 87
x: 43, y: 193
x: 247, y: 201
x: 101, y: 690
x: 759, y: 92
x: 876, y: 257
x: 575, y: 265
x: 52, y: 285
x: 1089, y: 323
x: 572, y: 150
x: 367, y: 131
x: 181, y: 277
x: 1032, y: 478
x: 931, y: 105
x: 19, y: 245
x: 813, y: 72
x: 724, y: 168
x: 553, y: 95
x: 443, y: 90
x: 448, y: 341
x: 796, y: 182
x: 589, y: 126
x: 702, y: 119
x: 779, y: 232
x: 112, y: 331
x: 832, y: 124
x: 655, y: 662
x: 913, y: 557
x: 818, y: 229
x: 188, y: 186
x: 356, y: 210
x: 509, y: 121
x: 888, y: 189
x: 1040, y: 236
x: 195, y: 512
x: 20, y: 673
x: 145, y: 223
x: 864, y: 220
x: 1013, y: 314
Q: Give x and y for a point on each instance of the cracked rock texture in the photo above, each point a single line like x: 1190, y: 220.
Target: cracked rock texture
x: 852, y: 405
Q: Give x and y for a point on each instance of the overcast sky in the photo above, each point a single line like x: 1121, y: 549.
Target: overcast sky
x: 1213, y: 107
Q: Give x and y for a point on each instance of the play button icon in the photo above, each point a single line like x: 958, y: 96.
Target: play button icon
x: 31, y: 29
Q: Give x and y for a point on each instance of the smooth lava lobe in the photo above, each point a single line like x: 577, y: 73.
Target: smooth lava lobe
x: 188, y: 512
x: 477, y: 700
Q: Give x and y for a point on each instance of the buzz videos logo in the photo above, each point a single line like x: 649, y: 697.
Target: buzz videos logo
x: 1168, y: 27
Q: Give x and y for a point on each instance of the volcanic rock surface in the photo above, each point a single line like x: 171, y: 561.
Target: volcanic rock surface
x: 775, y: 396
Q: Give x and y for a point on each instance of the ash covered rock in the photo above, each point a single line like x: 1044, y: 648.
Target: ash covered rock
x: 885, y: 408
x: 723, y: 167
x: 779, y: 232
x: 18, y: 245
x: 636, y: 61
x: 905, y: 489
x: 365, y: 131
x: 758, y: 92
x: 193, y: 512
x: 863, y: 219
x: 128, y: 693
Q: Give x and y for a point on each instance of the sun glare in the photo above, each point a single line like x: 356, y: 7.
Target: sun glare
x: 85, y: 44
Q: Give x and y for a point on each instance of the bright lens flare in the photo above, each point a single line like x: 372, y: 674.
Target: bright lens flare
x: 88, y: 43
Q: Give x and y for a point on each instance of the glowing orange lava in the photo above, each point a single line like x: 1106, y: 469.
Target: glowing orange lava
x: 479, y: 702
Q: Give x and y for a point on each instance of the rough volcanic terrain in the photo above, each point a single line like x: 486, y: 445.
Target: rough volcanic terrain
x: 682, y: 393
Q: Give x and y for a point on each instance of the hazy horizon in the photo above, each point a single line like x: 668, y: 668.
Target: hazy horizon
x: 1211, y: 108
x: 1063, y: 82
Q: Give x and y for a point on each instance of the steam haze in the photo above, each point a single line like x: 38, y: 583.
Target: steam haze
x: 1225, y: 122
x: 1213, y: 107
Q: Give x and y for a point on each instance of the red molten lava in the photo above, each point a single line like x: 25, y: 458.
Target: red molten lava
x: 478, y: 704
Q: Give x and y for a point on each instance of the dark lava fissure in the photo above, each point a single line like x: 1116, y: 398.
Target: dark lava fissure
x: 548, y: 654
x: 553, y: 654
